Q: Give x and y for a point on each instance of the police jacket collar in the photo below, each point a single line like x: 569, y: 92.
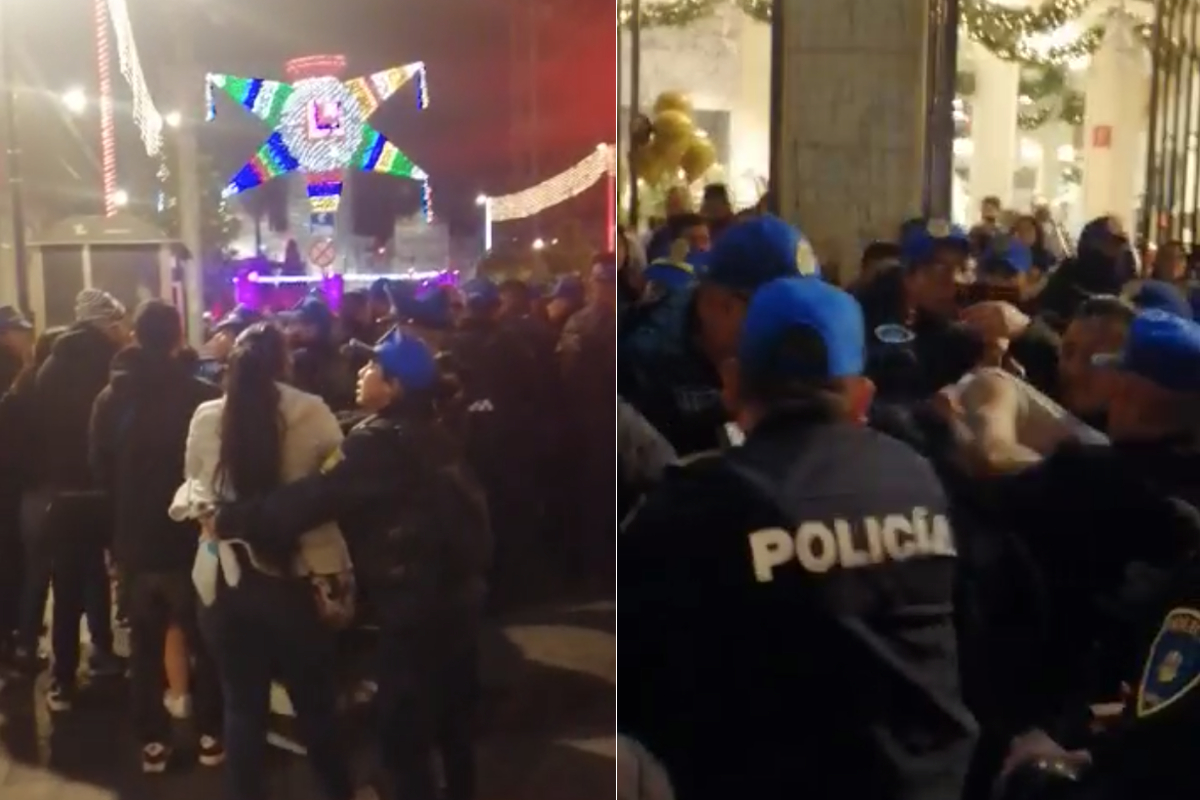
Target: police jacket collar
x: 795, y: 417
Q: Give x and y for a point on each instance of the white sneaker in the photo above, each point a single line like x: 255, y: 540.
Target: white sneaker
x: 212, y: 754
x: 155, y: 757
x: 178, y: 706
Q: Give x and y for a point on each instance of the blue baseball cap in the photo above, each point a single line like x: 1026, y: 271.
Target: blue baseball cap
x: 786, y: 304
x: 756, y: 251
x: 569, y: 288
x: 238, y: 319
x: 1163, y: 296
x: 1163, y: 348
x: 13, y: 320
x: 406, y: 359
x: 920, y: 239
x: 1007, y: 251
x: 310, y: 311
x: 479, y: 293
x: 605, y: 270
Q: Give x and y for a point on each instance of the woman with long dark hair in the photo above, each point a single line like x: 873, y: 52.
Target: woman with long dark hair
x: 259, y: 612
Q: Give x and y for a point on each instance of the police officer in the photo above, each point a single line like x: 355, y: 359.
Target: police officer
x: 667, y: 349
x: 786, y: 615
x: 417, y: 524
x: 1154, y: 465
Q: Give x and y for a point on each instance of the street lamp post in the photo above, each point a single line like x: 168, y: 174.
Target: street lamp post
x: 13, y: 160
x: 183, y: 125
x: 486, y: 203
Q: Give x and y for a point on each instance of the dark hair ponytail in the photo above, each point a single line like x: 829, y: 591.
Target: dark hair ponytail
x: 251, y: 424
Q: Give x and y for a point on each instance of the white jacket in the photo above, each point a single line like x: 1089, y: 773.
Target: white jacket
x: 311, y: 436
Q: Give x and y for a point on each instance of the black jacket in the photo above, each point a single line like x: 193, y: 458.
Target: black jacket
x: 786, y: 621
x: 10, y: 368
x: 63, y: 394
x: 1086, y: 514
x: 422, y: 563
x: 320, y: 368
x: 137, y: 442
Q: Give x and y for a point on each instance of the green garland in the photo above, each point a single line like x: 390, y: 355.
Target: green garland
x: 675, y: 14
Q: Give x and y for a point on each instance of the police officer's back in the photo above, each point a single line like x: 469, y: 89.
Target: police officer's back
x: 786, y: 614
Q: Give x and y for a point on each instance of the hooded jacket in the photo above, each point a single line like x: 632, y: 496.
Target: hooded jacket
x: 63, y: 393
x: 136, y: 448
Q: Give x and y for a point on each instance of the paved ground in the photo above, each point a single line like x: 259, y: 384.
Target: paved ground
x: 548, y: 727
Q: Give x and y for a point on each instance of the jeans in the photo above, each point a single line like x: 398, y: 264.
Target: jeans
x: 428, y: 695
x: 156, y: 601
x: 76, y: 531
x: 265, y: 628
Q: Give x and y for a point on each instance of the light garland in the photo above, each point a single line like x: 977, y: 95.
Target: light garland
x: 321, y: 127
x: 145, y: 114
x: 108, y: 145
x: 563, y: 186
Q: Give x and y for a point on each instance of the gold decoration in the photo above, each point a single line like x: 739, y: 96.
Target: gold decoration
x: 673, y: 101
x: 698, y: 159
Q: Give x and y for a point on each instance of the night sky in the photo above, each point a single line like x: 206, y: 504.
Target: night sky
x: 464, y: 139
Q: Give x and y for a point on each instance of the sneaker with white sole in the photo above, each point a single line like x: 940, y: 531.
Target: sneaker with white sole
x: 154, y: 758
x: 212, y: 753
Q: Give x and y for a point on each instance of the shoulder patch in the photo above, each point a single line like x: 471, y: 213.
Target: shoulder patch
x: 1173, y: 664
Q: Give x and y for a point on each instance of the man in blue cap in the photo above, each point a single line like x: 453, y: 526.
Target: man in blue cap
x: 508, y: 437
x: 819, y: 571
x: 668, y: 349
x: 417, y: 525
x: 1149, y: 486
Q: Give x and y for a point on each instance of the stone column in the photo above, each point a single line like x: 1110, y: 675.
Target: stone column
x: 994, y: 110
x: 847, y: 144
x: 1117, y: 90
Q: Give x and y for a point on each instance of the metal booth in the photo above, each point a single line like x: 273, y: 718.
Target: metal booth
x: 125, y: 256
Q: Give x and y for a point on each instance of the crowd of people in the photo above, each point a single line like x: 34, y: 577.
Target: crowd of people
x: 934, y: 535
x: 409, y: 464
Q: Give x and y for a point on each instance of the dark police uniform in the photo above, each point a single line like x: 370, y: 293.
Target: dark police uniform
x: 417, y: 526
x: 786, y: 609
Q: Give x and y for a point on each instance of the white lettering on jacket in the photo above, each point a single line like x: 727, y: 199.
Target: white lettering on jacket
x: 819, y: 546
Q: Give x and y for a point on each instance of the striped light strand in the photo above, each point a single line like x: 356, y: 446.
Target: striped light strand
x: 108, y: 148
x: 427, y: 200
x: 551, y: 192
x: 145, y: 114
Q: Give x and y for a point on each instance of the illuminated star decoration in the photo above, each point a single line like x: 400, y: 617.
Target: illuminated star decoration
x: 319, y: 128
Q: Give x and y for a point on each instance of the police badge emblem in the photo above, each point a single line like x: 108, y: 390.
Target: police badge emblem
x: 806, y: 259
x: 1173, y: 665
x: 894, y: 334
x: 938, y: 228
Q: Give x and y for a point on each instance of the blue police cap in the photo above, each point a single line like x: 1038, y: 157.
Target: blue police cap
x: 13, y: 320
x: 671, y: 274
x: 480, y: 293
x: 568, y: 288
x: 605, y: 270
x: 238, y: 319
x: 755, y: 251
x: 406, y: 359
x: 310, y: 311
x: 1163, y: 296
x: 918, y: 242
x: 431, y: 308
x: 1163, y: 348
x: 786, y: 304
x: 1008, y: 251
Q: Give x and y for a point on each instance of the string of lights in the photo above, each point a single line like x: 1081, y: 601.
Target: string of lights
x: 552, y: 191
x: 108, y: 144
x: 145, y: 114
